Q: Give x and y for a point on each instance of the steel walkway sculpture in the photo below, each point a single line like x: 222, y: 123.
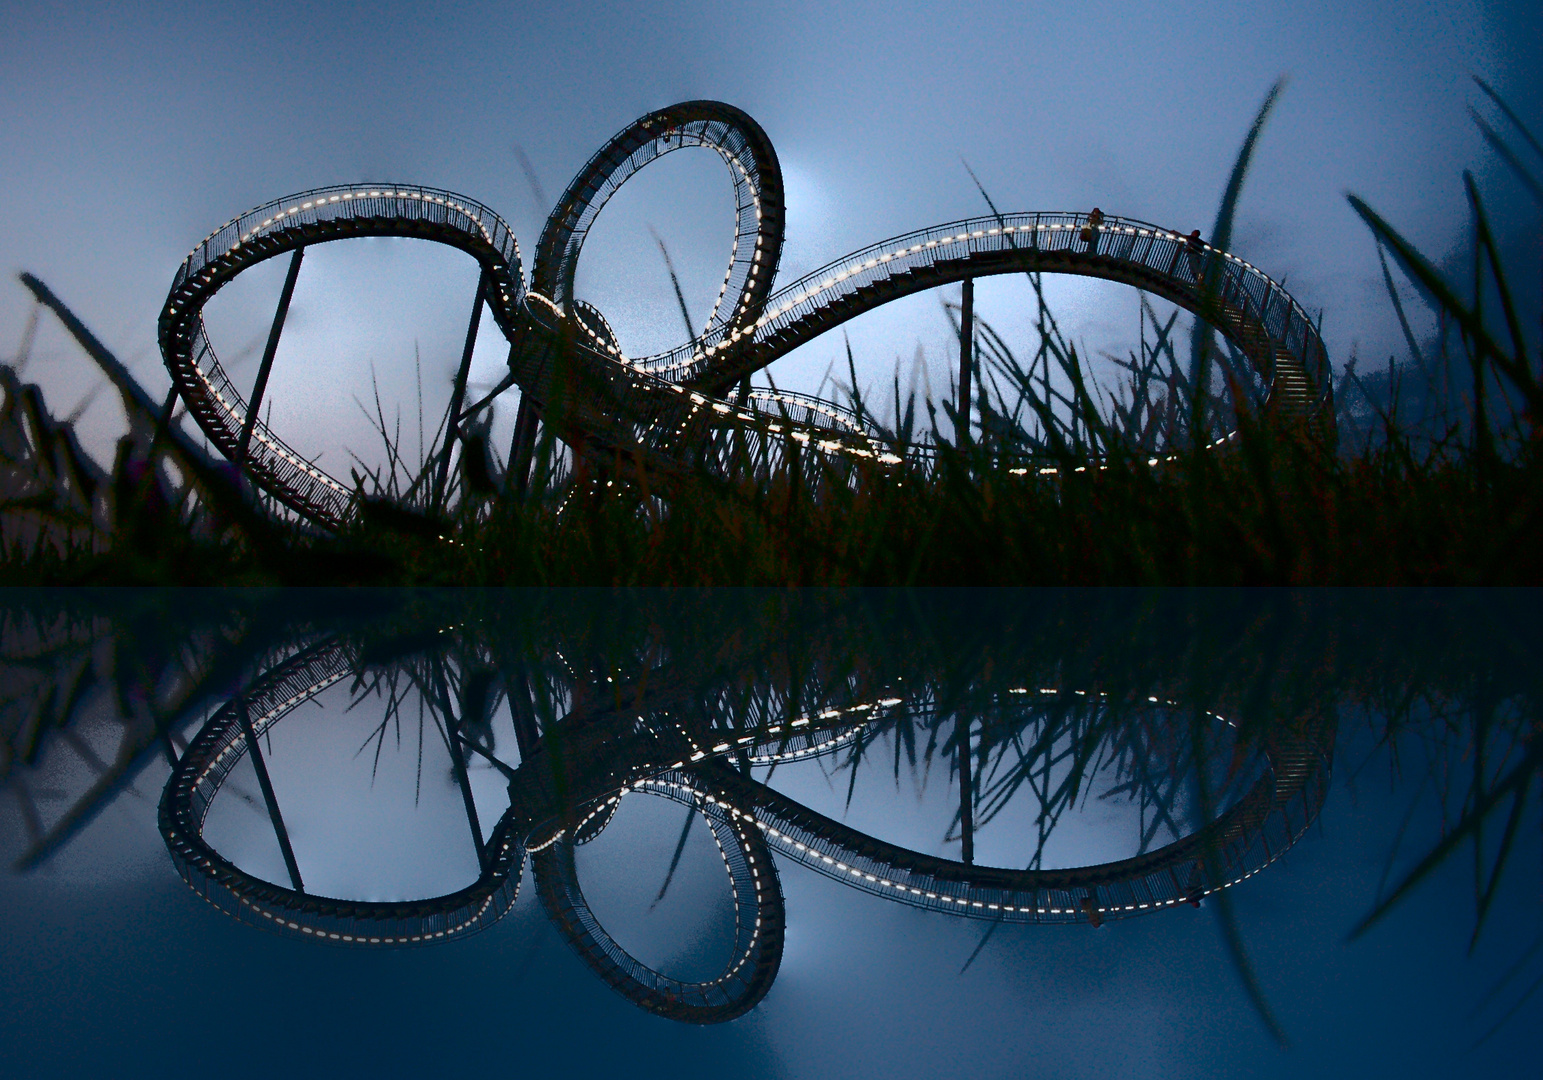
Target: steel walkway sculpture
x: 669, y: 412
x: 652, y: 737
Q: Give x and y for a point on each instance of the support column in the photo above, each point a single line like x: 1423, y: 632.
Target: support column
x: 522, y: 447
x: 458, y: 762
x: 458, y: 394
x: 268, y: 797
x: 966, y: 358
x: 259, y: 387
x: 163, y: 422
x: 522, y: 711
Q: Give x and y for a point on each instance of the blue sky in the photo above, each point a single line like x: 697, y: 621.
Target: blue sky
x: 131, y: 130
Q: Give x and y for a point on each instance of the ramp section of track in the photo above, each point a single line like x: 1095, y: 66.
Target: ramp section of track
x: 298, y: 221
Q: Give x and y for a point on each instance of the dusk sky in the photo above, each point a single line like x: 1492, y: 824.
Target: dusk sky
x: 132, y: 130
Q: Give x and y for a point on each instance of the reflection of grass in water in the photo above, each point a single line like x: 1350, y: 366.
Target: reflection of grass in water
x: 1450, y: 684
x: 1056, y: 756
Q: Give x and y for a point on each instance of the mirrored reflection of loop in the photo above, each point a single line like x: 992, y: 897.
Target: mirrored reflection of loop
x: 671, y: 410
x: 1245, y: 838
x: 231, y: 734
x: 613, y: 752
x: 759, y: 916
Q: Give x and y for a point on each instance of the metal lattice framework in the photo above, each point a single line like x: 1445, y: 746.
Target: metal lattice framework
x: 231, y: 734
x: 670, y: 411
x: 1243, y: 303
x: 758, y: 205
x: 290, y: 225
x: 759, y: 917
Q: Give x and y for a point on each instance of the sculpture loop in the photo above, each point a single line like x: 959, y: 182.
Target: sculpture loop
x: 671, y: 412
x: 573, y: 775
x: 758, y: 198
x: 203, y: 769
x: 759, y: 915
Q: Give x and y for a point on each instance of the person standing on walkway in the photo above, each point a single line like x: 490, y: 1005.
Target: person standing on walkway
x: 1196, y: 248
x: 1090, y: 230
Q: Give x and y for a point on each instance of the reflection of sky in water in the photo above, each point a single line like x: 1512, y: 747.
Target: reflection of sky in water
x: 363, y: 827
x: 115, y: 968
x: 688, y: 933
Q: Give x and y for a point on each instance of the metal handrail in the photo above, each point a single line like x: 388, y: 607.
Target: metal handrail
x: 1244, y: 288
x: 339, y: 200
x: 295, y: 221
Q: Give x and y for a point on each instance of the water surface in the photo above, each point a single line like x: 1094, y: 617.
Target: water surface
x: 874, y: 833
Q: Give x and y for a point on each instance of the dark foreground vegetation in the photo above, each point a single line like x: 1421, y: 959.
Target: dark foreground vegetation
x: 1435, y: 476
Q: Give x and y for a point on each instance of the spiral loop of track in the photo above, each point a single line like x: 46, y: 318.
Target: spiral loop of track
x: 758, y: 196
x: 297, y: 221
x: 759, y: 914
x: 674, y: 412
x: 203, y: 769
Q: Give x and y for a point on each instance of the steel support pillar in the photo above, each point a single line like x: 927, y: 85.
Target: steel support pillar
x: 268, y: 797
x: 272, y: 348
x: 522, y: 447
x: 966, y: 357
x: 522, y: 711
x: 458, y: 394
x: 458, y: 762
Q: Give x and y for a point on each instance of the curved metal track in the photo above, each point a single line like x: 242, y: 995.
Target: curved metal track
x: 1251, y: 835
x: 1265, y: 821
x: 287, y: 224
x: 668, y: 411
x: 759, y: 917
x: 1241, y: 302
x: 208, y: 762
x: 758, y: 205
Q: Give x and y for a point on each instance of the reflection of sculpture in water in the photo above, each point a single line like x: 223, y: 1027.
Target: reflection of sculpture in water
x: 695, y: 739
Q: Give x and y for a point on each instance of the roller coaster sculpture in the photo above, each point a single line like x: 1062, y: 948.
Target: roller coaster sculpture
x: 672, y: 412
x: 644, y: 736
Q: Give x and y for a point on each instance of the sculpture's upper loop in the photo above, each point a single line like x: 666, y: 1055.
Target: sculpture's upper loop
x: 758, y: 199
x: 297, y: 221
